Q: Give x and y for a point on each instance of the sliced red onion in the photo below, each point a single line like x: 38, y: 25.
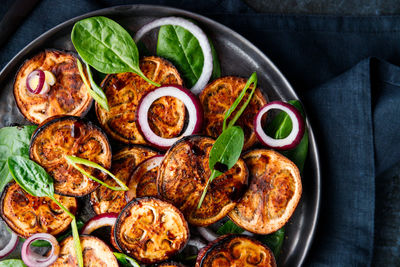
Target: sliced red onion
x: 289, y: 142
x: 39, y: 74
x: 145, y: 166
x: 101, y: 220
x: 207, y: 234
x: 191, y: 102
x: 11, y: 245
x: 198, y: 34
x: 32, y: 259
x: 197, y: 243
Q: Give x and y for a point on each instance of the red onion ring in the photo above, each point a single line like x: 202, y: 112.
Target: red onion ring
x: 33, y: 259
x: 11, y: 245
x: 98, y: 221
x: 198, y: 34
x: 207, y: 234
x: 191, y: 102
x: 41, y: 82
x: 293, y: 139
x: 148, y: 165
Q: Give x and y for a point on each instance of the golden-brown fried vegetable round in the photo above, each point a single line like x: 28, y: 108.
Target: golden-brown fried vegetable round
x: 183, y: 175
x: 95, y: 253
x: 216, y: 99
x: 236, y: 251
x: 68, y: 96
x: 143, y: 181
x: 273, y: 194
x: 105, y: 200
x: 69, y: 135
x: 151, y: 230
x: 124, y: 91
x: 27, y: 215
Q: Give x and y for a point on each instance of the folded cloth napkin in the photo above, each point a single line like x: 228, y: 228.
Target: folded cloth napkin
x: 340, y: 68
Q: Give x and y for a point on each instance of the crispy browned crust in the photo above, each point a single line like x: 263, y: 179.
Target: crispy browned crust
x: 170, y: 264
x: 183, y: 175
x: 105, y: 200
x: 124, y: 91
x: 216, y: 99
x: 95, y: 253
x: 235, y: 250
x: 69, y: 135
x: 68, y: 96
x: 27, y: 215
x: 151, y: 230
x: 273, y: 194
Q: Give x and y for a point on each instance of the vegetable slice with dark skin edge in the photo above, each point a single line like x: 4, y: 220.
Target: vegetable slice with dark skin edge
x: 104, y: 200
x: 95, y: 253
x: 26, y: 214
x: 115, y: 51
x: 70, y: 135
x: 41, y: 243
x: 273, y: 193
x: 235, y: 250
x: 126, y: 260
x: 124, y: 91
x: 14, y: 141
x: 183, y: 175
x: 151, y: 230
x: 68, y: 96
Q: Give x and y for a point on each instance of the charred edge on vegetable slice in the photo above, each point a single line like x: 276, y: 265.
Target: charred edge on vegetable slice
x: 219, y: 246
x: 124, y: 92
x: 171, y: 237
x: 93, y: 132
x: 37, y: 208
x: 85, y: 107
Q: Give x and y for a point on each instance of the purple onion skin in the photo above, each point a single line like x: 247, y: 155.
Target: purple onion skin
x: 299, y: 117
x: 98, y: 217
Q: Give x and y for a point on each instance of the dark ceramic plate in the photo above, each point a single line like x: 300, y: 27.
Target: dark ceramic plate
x: 238, y: 57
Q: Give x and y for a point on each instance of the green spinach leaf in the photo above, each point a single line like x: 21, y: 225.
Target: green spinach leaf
x: 125, y: 260
x: 106, y: 46
x: 274, y: 241
x: 180, y: 47
x: 225, y: 152
x: 229, y: 227
x: 13, y: 141
x: 12, y: 263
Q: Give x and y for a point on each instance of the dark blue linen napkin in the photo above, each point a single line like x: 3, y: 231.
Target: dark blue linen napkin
x: 344, y: 69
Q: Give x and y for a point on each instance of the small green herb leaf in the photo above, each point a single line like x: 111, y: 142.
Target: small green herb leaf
x: 180, y: 47
x: 251, y: 80
x: 77, y: 243
x: 13, y: 141
x: 274, y: 241
x: 12, y: 263
x: 229, y: 227
x: 106, y: 46
x: 125, y: 260
x: 31, y: 176
x: 226, y: 151
x: 75, y: 160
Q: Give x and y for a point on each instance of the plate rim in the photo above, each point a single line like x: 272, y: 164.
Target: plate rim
x: 313, y: 148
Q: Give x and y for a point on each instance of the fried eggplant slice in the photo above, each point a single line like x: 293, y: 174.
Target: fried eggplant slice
x: 151, y: 230
x: 124, y: 91
x: 273, y: 194
x: 216, y: 99
x: 27, y: 215
x: 69, y: 135
x: 95, y: 253
x: 105, y: 200
x: 170, y: 264
x: 68, y: 96
x: 236, y: 251
x: 183, y: 175
x: 143, y: 181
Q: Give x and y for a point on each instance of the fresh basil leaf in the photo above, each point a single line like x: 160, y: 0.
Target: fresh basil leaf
x: 274, y: 241
x: 225, y: 152
x: 106, y: 46
x: 31, y: 176
x: 229, y: 227
x: 12, y: 263
x: 75, y: 160
x: 125, y: 260
x: 281, y: 126
x: 180, y: 47
x: 77, y: 243
x: 13, y: 141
